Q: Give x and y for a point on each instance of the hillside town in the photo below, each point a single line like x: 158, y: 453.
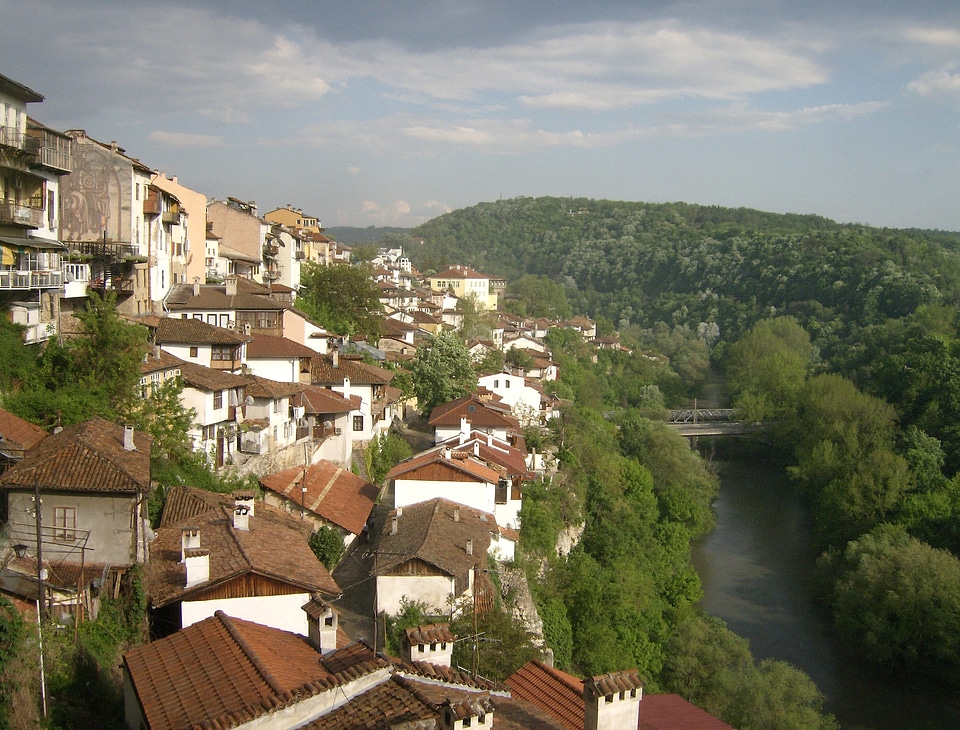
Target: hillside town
x: 249, y: 628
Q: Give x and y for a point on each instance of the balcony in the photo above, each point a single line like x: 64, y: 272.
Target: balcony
x: 151, y: 204
x: 171, y: 216
x: 50, y: 150
x: 20, y: 214
x: 13, y: 279
x: 11, y: 137
x: 270, y: 250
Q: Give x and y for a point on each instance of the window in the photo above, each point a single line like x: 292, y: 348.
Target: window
x: 276, y: 406
x: 218, y: 399
x: 64, y: 522
x: 506, y: 383
x: 221, y: 352
x: 358, y: 423
x: 212, y: 319
x: 500, y: 493
x: 194, y: 351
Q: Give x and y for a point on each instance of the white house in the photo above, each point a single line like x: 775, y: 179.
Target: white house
x: 524, y: 400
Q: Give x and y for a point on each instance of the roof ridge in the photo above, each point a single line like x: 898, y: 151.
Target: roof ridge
x: 248, y: 652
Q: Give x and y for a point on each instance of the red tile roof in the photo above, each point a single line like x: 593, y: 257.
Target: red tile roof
x: 457, y: 461
x: 269, y: 346
x: 176, y: 330
x: 478, y: 412
x: 323, y: 372
x: 334, y: 493
x: 204, y: 378
x: 222, y: 672
x: 86, y: 457
x: 18, y: 435
x: 672, y: 712
x: 273, y: 547
x: 323, y: 400
x: 557, y: 693
x: 159, y: 361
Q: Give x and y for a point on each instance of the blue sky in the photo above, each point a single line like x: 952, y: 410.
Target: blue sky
x: 393, y: 112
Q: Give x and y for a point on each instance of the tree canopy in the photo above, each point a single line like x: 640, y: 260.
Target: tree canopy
x: 342, y: 298
x: 442, y: 371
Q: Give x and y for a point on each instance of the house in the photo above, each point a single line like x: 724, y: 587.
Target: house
x: 279, y: 358
x: 17, y: 437
x: 241, y: 235
x: 355, y: 378
x: 270, y: 421
x: 614, y: 700
x: 325, y: 494
x: 224, y: 304
x: 435, y: 552
x: 513, y: 390
x: 482, y: 413
x: 157, y: 369
x: 464, y: 281
x: 189, y: 235
x: 221, y: 552
x: 33, y: 159
x: 202, y: 343
x: 432, y: 643
x: 93, y: 479
x: 462, y: 475
x: 218, y: 399
x: 255, y: 676
x: 330, y: 417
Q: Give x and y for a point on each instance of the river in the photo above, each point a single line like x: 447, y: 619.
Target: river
x: 756, y: 567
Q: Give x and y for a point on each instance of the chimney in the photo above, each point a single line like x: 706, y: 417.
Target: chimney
x: 476, y: 448
x: 612, y: 701
x: 336, y: 357
x: 394, y: 524
x: 469, y: 547
x: 241, y: 516
x: 456, y: 513
x: 446, y: 452
x: 230, y: 286
x: 322, y: 622
x: 431, y: 643
x: 128, y: 444
x: 196, y: 286
x: 189, y: 539
x: 477, y: 712
x: 198, y: 566
x: 156, y: 352
x: 464, y: 429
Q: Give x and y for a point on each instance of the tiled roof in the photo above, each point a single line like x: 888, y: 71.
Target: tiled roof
x: 86, y: 457
x: 259, y: 387
x: 672, y: 712
x: 427, y: 531
x: 268, y: 346
x: 323, y: 400
x: 159, y: 361
x: 324, y: 373
x: 176, y: 330
x: 480, y: 413
x: 204, y: 378
x: 215, y: 298
x: 222, y: 672
x: 429, y: 634
x: 493, y: 451
x: 458, y: 461
x: 460, y: 272
x: 334, y: 493
x: 17, y: 434
x: 612, y: 683
x: 557, y: 693
x: 271, y: 547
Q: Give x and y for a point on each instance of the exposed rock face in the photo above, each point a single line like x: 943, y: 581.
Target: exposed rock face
x: 516, y: 594
x: 569, y: 538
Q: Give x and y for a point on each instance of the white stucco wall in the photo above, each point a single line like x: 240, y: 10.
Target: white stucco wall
x: 479, y: 495
x: 283, y: 370
x: 434, y: 590
x: 280, y: 612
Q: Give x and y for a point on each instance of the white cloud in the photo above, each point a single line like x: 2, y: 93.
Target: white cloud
x: 941, y: 83
x: 353, y: 170
x: 183, y: 139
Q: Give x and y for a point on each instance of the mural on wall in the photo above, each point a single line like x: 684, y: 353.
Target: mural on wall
x: 95, y: 196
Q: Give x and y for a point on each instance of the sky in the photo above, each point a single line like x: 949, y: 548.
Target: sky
x: 392, y: 112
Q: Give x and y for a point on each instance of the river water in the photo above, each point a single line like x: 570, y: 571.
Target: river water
x: 756, y: 567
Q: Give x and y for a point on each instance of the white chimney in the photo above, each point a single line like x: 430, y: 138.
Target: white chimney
x: 464, y: 429
x: 393, y: 525
x: 612, y: 701
x: 322, y: 622
x: 230, y: 286
x: 476, y: 448
x: 431, y: 643
x: 189, y: 540
x: 446, y: 453
x: 469, y: 547
x: 456, y: 513
x: 196, y: 286
x: 243, y: 508
x: 128, y: 444
x: 469, y: 713
x: 198, y: 566
x: 336, y: 357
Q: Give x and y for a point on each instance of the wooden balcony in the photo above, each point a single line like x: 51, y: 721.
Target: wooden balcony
x: 21, y: 214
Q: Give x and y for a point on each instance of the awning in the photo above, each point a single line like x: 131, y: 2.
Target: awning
x: 37, y: 243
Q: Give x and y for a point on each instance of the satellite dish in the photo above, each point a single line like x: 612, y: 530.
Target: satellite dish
x: 249, y: 400
x: 328, y: 424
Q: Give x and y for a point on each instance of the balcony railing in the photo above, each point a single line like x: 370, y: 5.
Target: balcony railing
x: 14, y: 279
x: 20, y: 214
x: 11, y: 137
x: 110, y: 250
x: 49, y: 150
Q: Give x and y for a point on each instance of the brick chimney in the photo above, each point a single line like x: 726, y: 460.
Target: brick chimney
x: 612, y: 701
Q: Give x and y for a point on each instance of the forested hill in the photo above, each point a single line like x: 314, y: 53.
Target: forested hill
x: 681, y: 264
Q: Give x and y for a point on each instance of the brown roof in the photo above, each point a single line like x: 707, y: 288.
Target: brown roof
x: 323, y: 372
x: 176, y: 330
x: 204, y: 378
x: 323, y: 400
x: 460, y: 272
x: 478, y: 412
x: 672, y: 712
x: 158, y: 361
x: 427, y: 531
x: 458, y: 461
x: 269, y: 346
x: 557, y: 693
x: 334, y: 493
x: 429, y: 634
x: 18, y: 435
x: 493, y: 451
x: 86, y: 457
x: 215, y: 298
x: 259, y: 387
x: 272, y: 547
x: 222, y: 672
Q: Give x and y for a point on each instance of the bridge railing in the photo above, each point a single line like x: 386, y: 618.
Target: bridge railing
x: 703, y: 415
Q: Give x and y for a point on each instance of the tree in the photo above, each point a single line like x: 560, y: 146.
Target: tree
x: 442, y: 371
x: 899, y: 600
x: 385, y: 452
x: 161, y: 413
x: 537, y: 296
x: 342, y: 298
x: 327, y: 545
x: 475, y: 323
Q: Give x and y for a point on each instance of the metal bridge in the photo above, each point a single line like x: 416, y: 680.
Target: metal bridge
x: 710, y: 422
